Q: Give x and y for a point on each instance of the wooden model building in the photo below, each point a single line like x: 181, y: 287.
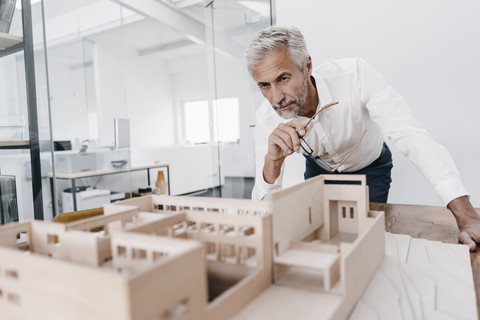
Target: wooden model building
x: 325, y: 240
x: 63, y: 272
x: 166, y: 257
x: 327, y: 247
x: 68, y: 274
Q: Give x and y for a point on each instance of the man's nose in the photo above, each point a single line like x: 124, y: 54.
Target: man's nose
x: 277, y: 94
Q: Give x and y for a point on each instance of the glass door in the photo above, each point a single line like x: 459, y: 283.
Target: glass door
x: 88, y: 110
x: 234, y: 97
x: 25, y: 156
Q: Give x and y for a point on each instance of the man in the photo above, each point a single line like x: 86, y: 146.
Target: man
x: 337, y: 116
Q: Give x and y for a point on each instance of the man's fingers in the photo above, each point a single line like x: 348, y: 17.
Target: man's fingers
x: 298, y: 126
x: 289, y: 135
x: 278, y: 142
x: 465, y: 238
x: 285, y: 135
x: 283, y: 141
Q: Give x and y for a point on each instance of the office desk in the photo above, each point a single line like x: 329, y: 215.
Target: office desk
x: 427, y: 222
x: 96, y: 173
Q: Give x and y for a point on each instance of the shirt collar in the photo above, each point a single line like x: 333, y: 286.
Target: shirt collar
x: 324, y: 94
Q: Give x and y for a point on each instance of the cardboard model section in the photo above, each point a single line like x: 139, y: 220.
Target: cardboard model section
x: 308, y: 252
x: 327, y: 246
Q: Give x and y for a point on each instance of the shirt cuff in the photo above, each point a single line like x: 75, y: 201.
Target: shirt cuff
x: 262, y: 189
x: 450, y: 189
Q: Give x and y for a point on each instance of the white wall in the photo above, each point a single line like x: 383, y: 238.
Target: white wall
x: 67, y: 89
x: 190, y: 81
x: 109, y: 64
x: 232, y: 81
x: 149, y: 101
x: 192, y: 168
x: 428, y: 50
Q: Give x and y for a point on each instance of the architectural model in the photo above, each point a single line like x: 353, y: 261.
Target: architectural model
x: 66, y: 272
x: 311, y: 249
x: 327, y: 246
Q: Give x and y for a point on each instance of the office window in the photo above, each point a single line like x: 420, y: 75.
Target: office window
x: 228, y: 115
x: 198, y: 115
x: 197, y: 121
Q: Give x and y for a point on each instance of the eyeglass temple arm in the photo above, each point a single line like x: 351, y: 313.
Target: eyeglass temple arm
x: 321, y: 109
x: 333, y: 170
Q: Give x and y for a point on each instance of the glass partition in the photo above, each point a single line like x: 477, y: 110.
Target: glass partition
x: 133, y: 88
x: 25, y: 156
x: 166, y: 76
x: 86, y: 67
x: 234, y: 95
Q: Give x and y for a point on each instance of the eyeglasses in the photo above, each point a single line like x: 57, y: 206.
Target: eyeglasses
x: 309, y: 151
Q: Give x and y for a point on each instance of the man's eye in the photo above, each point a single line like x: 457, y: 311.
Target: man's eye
x: 264, y: 85
x: 283, y: 79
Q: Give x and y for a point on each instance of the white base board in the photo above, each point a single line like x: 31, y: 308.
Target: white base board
x: 420, y: 279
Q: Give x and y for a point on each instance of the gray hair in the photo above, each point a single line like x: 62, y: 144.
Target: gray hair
x: 273, y: 38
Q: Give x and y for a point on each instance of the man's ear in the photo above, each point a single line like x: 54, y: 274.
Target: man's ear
x: 309, y: 66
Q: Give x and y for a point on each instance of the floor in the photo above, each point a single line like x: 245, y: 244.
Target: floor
x: 234, y: 187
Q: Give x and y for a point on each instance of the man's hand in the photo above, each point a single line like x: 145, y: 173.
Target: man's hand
x: 468, y: 221
x: 282, y: 142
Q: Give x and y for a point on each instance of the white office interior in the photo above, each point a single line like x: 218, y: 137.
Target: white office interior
x: 124, y: 84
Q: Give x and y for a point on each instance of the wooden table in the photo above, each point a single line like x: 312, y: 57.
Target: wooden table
x: 427, y: 222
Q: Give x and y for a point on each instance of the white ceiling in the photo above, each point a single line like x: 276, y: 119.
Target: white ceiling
x: 167, y: 29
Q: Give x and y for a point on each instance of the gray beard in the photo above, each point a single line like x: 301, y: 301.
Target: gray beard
x: 291, y: 113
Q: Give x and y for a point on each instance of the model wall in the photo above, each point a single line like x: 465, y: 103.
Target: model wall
x: 360, y: 265
x: 31, y: 293
x: 297, y: 216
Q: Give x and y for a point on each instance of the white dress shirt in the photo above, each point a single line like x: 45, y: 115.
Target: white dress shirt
x: 366, y: 102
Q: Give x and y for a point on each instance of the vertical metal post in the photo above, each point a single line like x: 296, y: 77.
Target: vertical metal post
x: 215, y: 116
x: 32, y: 109
x: 74, y: 195
x: 168, y: 178
x: 52, y: 192
x: 53, y: 180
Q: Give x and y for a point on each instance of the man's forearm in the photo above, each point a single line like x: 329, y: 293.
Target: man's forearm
x: 271, y: 169
x: 462, y: 209
x: 468, y: 221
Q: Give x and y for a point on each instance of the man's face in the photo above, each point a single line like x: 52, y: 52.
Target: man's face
x: 282, y: 82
